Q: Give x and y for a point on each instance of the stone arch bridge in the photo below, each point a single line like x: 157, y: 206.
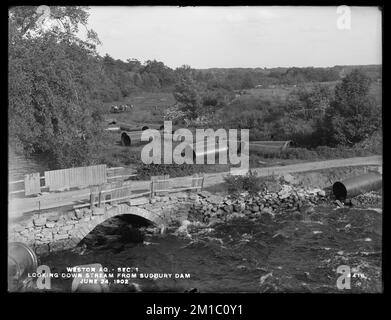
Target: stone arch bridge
x: 55, y: 231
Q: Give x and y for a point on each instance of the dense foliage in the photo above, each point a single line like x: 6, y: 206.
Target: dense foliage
x: 353, y: 115
x: 53, y: 78
x: 250, y: 183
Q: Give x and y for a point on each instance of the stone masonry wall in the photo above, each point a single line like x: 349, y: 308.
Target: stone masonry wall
x: 55, y: 231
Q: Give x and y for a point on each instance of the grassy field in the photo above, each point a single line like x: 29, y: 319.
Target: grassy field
x: 148, y: 108
x: 281, y: 92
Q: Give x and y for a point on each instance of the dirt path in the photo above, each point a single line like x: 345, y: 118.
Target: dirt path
x: 17, y: 207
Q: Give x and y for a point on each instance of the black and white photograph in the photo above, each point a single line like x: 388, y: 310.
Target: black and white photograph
x: 195, y: 149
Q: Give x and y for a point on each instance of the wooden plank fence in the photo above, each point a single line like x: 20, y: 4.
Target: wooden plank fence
x: 197, y: 182
x: 122, y: 191
x: 75, y: 177
x: 119, y: 173
x: 160, y: 184
x: 32, y: 183
x: 72, y: 177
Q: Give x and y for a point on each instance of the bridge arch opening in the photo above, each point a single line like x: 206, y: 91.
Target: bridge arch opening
x: 117, y: 232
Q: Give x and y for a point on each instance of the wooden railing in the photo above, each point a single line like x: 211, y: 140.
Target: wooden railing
x: 111, y: 193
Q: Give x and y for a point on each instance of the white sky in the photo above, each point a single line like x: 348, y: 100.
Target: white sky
x: 207, y: 37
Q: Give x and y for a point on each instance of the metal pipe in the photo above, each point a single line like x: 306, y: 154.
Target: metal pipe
x: 132, y: 137
x: 21, y: 261
x: 211, y: 148
x: 354, y: 186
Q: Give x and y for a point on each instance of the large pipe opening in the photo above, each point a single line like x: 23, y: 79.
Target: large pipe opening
x: 354, y: 186
x: 125, y: 139
x: 339, y: 191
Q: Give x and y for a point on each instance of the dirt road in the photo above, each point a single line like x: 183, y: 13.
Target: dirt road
x: 17, y: 207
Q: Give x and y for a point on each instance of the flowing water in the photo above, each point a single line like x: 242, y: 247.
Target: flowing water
x: 284, y: 254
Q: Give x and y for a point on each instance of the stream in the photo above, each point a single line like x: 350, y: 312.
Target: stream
x: 281, y: 254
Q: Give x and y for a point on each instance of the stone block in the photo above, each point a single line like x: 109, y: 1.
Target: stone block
x: 140, y: 201
x: 79, y: 213
x: 61, y: 236
x: 68, y: 227
x: 98, y: 211
x: 39, y: 221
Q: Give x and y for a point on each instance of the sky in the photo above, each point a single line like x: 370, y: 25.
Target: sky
x: 228, y: 37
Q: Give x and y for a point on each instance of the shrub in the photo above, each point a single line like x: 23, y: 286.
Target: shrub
x: 250, y: 182
x: 372, y: 144
x: 299, y: 153
x: 145, y: 171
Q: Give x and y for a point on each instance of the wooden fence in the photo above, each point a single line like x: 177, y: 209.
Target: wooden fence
x: 32, y: 183
x: 65, y: 179
x: 160, y: 184
x: 119, y: 173
x: 113, y: 189
x: 122, y: 191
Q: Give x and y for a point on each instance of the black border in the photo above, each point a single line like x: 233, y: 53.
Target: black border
x: 135, y: 304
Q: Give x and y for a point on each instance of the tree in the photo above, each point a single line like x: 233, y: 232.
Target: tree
x: 53, y: 107
x: 247, y: 82
x: 184, y: 72
x: 353, y: 115
x: 309, y: 104
x: 164, y: 74
x: 187, y: 95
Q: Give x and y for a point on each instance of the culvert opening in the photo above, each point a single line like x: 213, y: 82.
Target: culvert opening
x: 116, y: 232
x: 339, y: 191
x: 144, y: 128
x: 125, y: 139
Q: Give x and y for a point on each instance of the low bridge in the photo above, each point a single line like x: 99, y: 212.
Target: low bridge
x: 54, y: 231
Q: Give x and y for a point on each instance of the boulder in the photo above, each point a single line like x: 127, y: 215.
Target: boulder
x: 288, y: 178
x: 228, y: 208
x: 267, y: 210
x: 255, y: 209
x: 237, y: 208
x: 236, y: 215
